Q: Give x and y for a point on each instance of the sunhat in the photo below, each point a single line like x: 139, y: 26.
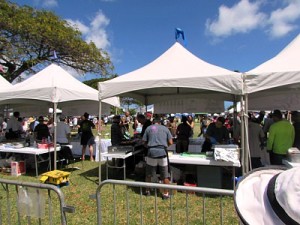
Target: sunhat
x: 270, y: 196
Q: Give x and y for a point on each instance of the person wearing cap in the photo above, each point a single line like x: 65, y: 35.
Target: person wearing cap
x: 217, y: 132
x: 63, y: 131
x: 281, y: 138
x: 157, y: 138
x: 32, y: 124
x: 87, y: 137
x: 269, y: 196
x: 41, y: 131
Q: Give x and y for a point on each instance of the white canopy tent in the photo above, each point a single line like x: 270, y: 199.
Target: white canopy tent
x: 275, y: 84
x: 4, y: 84
x: 177, y: 72
x: 53, y: 87
x: 172, y: 79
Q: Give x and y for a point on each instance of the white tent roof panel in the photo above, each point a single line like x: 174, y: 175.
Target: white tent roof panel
x: 175, y: 72
x: 54, y: 85
x: 281, y: 70
x: 275, y: 84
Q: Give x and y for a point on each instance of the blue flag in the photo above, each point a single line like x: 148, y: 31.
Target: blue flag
x: 179, y: 32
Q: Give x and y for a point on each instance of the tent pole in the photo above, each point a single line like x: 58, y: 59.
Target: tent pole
x: 244, y: 128
x: 247, y: 156
x: 235, y: 123
x: 243, y: 152
x: 146, y: 103
x: 55, y: 133
x: 7, y: 113
x: 99, y: 134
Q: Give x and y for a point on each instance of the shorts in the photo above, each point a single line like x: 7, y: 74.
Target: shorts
x: 87, y: 140
x: 151, y: 166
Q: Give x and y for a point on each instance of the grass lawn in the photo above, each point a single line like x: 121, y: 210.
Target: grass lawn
x: 84, y: 183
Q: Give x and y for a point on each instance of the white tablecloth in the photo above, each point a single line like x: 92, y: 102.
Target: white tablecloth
x: 76, y: 148
x: 103, y: 146
x: 178, y: 159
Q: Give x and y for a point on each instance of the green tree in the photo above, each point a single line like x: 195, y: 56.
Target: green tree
x: 127, y: 102
x: 132, y: 111
x: 94, y: 82
x: 29, y: 37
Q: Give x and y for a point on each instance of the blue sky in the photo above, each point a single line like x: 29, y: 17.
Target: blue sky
x: 234, y: 34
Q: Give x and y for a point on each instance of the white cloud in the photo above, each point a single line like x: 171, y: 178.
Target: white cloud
x: 282, y: 20
x: 95, y: 31
x: 241, y: 18
x: 50, y: 3
x: 46, y: 3
x: 80, y: 26
x: 246, y: 16
x: 98, y: 33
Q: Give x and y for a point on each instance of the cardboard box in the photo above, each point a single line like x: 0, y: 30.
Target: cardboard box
x: 18, y: 168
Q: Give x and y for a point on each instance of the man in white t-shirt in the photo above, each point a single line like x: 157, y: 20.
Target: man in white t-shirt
x: 14, y: 127
x: 14, y: 124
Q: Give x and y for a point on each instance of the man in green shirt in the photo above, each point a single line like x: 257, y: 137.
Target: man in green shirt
x: 281, y: 138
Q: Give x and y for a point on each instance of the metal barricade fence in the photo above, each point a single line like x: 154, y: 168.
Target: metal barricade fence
x: 123, y: 202
x: 32, y: 203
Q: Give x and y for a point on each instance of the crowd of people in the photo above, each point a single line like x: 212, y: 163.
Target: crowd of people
x: 41, y: 129
x: 273, y: 132
x: 270, y: 134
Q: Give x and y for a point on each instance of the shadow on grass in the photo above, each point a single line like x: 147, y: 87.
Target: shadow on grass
x: 92, y: 175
